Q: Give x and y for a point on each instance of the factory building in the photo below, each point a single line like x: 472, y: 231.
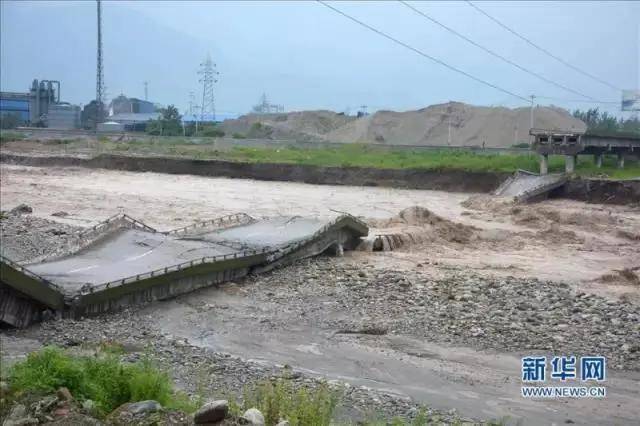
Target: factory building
x: 124, y: 105
x: 15, y: 106
x: 40, y: 106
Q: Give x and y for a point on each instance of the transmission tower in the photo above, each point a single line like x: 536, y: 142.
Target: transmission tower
x: 146, y: 90
x: 192, y: 103
x: 99, y: 71
x: 208, y: 76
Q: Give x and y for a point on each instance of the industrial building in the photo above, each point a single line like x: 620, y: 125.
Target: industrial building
x: 124, y: 105
x: 41, y: 106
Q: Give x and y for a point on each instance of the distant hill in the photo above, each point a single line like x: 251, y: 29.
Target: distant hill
x: 298, y: 125
x: 453, y: 123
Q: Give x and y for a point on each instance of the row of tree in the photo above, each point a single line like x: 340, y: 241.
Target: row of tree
x: 170, y: 124
x: 603, y: 122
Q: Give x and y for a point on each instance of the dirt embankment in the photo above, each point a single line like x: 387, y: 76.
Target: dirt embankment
x: 449, y: 180
x: 590, y: 190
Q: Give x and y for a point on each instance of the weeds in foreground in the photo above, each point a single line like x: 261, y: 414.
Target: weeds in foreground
x: 104, y: 379
x: 279, y: 400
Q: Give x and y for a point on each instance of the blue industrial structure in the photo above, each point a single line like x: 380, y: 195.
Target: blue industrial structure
x: 40, y: 106
x: 16, y: 104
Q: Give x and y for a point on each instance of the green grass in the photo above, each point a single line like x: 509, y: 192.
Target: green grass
x: 10, y: 136
x: 359, y: 155
x: 279, y: 400
x: 102, y: 379
x: 363, y: 156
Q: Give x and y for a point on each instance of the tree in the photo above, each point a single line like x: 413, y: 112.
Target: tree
x: 603, y: 122
x: 169, y: 123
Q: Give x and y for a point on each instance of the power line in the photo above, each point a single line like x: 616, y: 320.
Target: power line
x: 579, y: 100
x: 421, y: 53
x: 491, y: 52
x: 542, y: 49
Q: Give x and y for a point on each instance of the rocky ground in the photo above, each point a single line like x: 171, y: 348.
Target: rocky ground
x: 459, y: 308
x: 26, y: 237
x: 202, y: 372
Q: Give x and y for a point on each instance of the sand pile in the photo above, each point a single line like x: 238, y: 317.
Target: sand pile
x: 297, y: 125
x: 470, y: 125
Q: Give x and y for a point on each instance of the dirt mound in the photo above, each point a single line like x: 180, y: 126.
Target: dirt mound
x: 470, y: 126
x: 298, y: 125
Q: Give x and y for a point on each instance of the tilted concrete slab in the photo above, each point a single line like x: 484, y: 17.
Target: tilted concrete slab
x: 523, y: 185
x: 122, y: 261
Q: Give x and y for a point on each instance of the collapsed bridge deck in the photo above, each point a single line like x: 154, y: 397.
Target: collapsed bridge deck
x: 123, y: 262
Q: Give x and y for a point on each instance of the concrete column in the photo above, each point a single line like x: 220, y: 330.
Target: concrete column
x: 569, y: 163
x: 544, y: 164
x: 597, y: 158
x: 620, y: 160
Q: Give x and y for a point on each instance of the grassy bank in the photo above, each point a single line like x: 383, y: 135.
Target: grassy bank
x: 363, y: 156
x: 349, y: 155
x: 358, y: 155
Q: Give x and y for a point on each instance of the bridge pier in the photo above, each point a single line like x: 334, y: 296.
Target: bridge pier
x: 544, y: 164
x: 621, y: 160
x: 597, y: 158
x: 570, y: 163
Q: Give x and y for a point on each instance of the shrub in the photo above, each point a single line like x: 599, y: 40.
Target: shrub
x: 279, y: 400
x: 103, y: 379
x: 212, y: 132
x: 238, y: 136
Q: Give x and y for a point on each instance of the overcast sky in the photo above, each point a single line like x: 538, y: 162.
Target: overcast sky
x: 305, y: 56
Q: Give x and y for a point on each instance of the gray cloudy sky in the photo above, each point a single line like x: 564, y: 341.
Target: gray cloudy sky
x: 305, y: 56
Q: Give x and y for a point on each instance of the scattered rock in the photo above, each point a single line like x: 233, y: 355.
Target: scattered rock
x: 211, y: 412
x: 148, y: 406
x: 89, y: 407
x: 19, y: 417
x: 21, y: 209
x: 64, y: 395
x: 254, y: 417
x: 60, y: 214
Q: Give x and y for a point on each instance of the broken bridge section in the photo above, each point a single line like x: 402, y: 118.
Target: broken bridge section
x: 525, y: 186
x: 123, y: 262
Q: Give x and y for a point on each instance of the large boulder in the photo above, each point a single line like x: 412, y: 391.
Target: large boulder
x: 21, y: 209
x: 254, y: 417
x: 211, y: 412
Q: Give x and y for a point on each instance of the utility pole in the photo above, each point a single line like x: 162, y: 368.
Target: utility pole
x: 209, y: 76
x: 146, y: 90
x: 531, y: 121
x: 99, y: 71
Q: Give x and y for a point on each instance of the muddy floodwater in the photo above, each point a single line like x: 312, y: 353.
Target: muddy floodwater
x: 305, y: 318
